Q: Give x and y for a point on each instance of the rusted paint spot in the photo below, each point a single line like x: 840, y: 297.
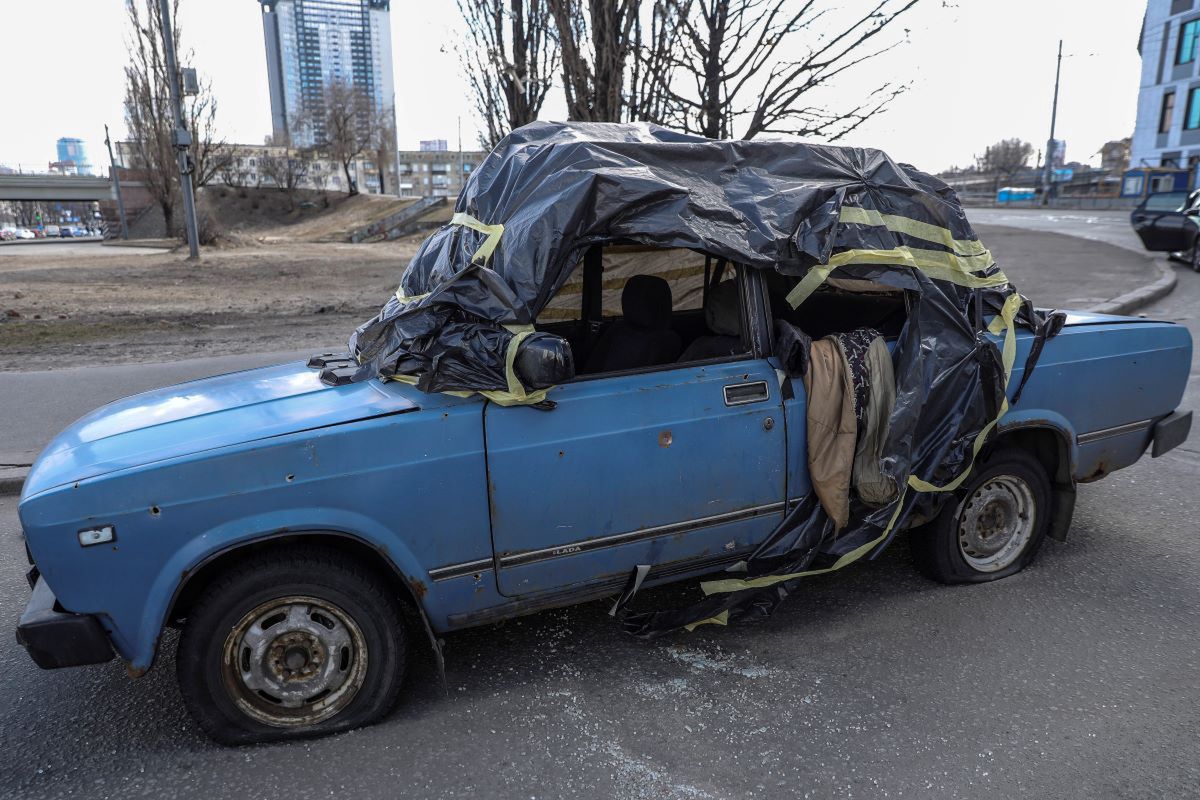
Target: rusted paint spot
x: 134, y: 672
x: 664, y: 439
x: 418, y: 587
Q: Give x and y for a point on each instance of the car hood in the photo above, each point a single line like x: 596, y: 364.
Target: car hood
x: 206, y: 414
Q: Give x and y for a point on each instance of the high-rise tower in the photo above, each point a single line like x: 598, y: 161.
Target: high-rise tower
x: 312, y: 43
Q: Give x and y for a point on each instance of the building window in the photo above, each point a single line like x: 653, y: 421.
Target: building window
x: 1189, y: 37
x: 1167, y: 115
x: 1192, y: 121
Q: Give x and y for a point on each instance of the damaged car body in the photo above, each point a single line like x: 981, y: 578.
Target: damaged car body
x: 591, y: 381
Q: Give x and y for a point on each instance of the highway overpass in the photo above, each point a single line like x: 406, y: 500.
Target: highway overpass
x: 60, y: 188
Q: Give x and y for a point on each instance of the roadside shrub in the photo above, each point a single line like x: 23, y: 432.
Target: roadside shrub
x: 207, y: 229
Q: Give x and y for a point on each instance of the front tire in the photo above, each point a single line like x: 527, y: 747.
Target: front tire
x: 992, y: 527
x: 293, y: 644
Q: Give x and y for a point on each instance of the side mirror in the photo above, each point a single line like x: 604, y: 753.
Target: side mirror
x: 544, y: 360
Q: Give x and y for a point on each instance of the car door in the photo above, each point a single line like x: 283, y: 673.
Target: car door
x: 675, y: 468
x: 1166, y: 222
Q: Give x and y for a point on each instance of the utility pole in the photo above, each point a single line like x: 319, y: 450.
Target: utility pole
x: 180, y: 136
x: 116, y: 177
x: 460, y: 181
x: 1048, y: 174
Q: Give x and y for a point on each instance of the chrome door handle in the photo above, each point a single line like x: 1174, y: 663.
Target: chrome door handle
x: 739, y: 394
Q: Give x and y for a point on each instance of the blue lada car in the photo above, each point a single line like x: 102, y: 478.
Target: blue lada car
x: 307, y: 537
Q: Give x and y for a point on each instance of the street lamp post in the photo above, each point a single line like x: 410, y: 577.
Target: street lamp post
x: 180, y: 136
x: 116, y: 177
x: 1051, y: 149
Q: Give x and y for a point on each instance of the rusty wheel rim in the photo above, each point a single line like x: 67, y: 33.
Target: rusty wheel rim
x: 294, y: 661
x: 995, y: 523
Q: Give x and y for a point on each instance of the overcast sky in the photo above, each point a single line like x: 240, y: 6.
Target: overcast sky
x: 979, y: 70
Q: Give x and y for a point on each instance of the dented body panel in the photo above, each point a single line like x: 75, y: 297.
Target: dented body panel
x: 486, y: 512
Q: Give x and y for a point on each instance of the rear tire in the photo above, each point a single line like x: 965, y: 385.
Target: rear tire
x: 993, y: 525
x: 293, y: 644
x: 1196, y: 255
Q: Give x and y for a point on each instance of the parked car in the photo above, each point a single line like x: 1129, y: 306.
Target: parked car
x: 8, y: 234
x: 25, y: 233
x: 1169, y: 222
x: 308, y: 536
x: 52, y: 232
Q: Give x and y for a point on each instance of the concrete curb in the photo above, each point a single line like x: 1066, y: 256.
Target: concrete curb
x: 158, y: 244
x: 1144, y: 295
x: 12, y: 479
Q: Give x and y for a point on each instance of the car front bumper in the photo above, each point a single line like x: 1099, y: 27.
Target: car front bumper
x: 56, y: 638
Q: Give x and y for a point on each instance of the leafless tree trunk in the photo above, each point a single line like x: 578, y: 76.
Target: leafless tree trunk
x: 148, y: 105
x: 234, y: 171
x: 210, y: 153
x: 596, y: 41
x: 148, y: 110
x: 286, y: 170
x: 510, y: 57
x: 736, y: 65
x: 343, y: 123
x: 657, y: 49
x: 383, y: 146
x: 1005, y: 159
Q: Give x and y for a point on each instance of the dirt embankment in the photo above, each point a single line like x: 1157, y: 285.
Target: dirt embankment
x: 231, y: 216
x: 121, y: 306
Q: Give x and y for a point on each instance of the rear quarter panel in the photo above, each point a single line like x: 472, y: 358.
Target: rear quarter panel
x: 1097, y: 375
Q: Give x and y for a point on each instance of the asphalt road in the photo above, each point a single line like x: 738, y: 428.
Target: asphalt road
x: 1109, y: 227
x: 1074, y: 679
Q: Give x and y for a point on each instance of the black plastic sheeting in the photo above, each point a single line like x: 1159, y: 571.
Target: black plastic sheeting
x: 558, y: 189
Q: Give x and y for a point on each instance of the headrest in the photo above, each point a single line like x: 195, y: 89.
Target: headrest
x: 722, y: 312
x: 646, y: 302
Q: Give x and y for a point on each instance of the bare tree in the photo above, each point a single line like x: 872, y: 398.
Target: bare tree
x: 510, y: 56
x: 383, y: 145
x: 736, y: 65
x: 342, y: 124
x: 1005, y: 159
x: 148, y: 105
x: 26, y: 212
x: 234, y: 171
x: 148, y: 109
x: 210, y: 154
x: 595, y: 41
x: 656, y: 51
x: 286, y: 170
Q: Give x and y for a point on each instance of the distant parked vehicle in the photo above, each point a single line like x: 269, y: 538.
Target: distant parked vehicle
x: 25, y: 233
x: 66, y: 232
x: 52, y: 231
x: 1169, y: 222
x: 8, y: 234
